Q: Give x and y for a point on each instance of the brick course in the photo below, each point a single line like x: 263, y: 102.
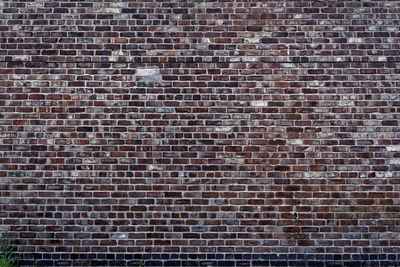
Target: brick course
x: 200, y: 132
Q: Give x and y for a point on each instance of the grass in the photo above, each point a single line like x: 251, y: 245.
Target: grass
x: 8, y: 255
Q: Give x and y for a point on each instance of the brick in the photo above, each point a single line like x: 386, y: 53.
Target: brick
x: 393, y: 148
x: 260, y: 103
x: 147, y: 72
x: 194, y: 133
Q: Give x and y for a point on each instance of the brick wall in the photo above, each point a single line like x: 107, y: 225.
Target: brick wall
x: 200, y: 132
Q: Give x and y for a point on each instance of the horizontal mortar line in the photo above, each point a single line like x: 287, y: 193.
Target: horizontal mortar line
x: 219, y: 62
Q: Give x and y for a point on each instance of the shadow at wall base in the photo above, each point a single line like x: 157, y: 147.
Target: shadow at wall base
x: 46, y: 259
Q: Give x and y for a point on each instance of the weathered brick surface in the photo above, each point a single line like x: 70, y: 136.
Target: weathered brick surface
x: 200, y: 132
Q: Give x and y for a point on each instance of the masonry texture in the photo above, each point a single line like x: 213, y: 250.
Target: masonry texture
x: 200, y: 133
